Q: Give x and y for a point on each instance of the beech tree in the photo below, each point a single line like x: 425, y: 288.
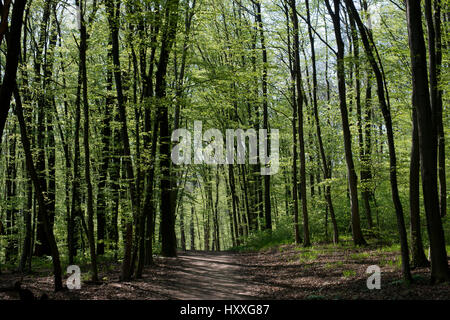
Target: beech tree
x: 91, y: 93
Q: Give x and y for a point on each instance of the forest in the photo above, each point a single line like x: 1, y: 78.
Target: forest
x: 334, y: 115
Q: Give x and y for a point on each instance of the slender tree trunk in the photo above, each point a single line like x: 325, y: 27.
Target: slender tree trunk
x: 192, y: 228
x: 103, y: 170
x: 418, y: 256
x: 358, y: 238
x: 427, y: 143
x: 326, y: 169
x: 12, y: 58
x: 40, y: 191
x: 182, y: 231
x: 385, y: 110
x: 295, y: 193
x: 42, y: 246
x: 113, y: 12
x: 167, y: 202
x: 237, y: 234
x: 87, y: 157
x: 435, y: 63
x: 72, y: 225
x: 266, y: 178
x: 300, y: 98
x: 11, y: 249
x: 357, y: 82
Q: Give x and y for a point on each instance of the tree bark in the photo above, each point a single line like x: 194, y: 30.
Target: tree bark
x: 298, y: 82
x: 383, y: 98
x: 326, y: 169
x: 167, y: 202
x: 113, y: 12
x: 358, y: 238
x: 40, y: 191
x: 427, y: 143
x: 418, y: 256
x: 12, y: 58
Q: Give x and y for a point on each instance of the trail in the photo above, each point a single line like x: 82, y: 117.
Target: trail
x: 288, y: 273
x: 206, y: 276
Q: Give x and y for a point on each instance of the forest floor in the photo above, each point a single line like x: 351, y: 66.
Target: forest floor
x: 284, y: 272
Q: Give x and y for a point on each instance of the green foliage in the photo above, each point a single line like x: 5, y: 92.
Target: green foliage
x: 308, y: 256
x: 348, y: 273
x: 334, y: 265
x: 360, y: 256
x: 262, y: 240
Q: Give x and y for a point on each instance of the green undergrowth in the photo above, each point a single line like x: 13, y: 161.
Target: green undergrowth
x: 266, y: 239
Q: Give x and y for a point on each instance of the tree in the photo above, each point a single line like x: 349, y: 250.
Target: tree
x: 12, y: 54
x: 298, y: 82
x: 167, y: 201
x: 113, y: 12
x: 358, y: 238
x: 427, y: 143
x: 326, y: 169
x: 40, y: 190
x: 87, y: 160
x: 385, y: 109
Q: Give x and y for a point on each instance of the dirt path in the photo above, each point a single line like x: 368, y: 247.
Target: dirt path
x: 288, y: 272
x: 205, y: 276
x: 190, y: 276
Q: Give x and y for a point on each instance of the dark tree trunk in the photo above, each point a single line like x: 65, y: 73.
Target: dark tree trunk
x: 299, y: 104
x: 192, y: 228
x: 87, y: 157
x: 237, y: 234
x: 435, y: 65
x: 40, y: 191
x: 297, y: 236
x: 216, y: 212
x: 418, y: 256
x: 326, y: 169
x: 103, y: 170
x: 113, y: 12
x: 369, y: 48
x: 72, y: 225
x: 182, y: 229
x: 358, y: 238
x: 266, y: 178
x: 12, y: 58
x: 169, y: 242
x: 42, y: 246
x: 356, y: 63
x: 427, y: 143
x: 11, y: 249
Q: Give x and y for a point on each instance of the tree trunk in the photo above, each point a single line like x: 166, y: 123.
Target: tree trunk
x: 192, y: 228
x: 385, y: 110
x: 435, y: 65
x: 358, y: 238
x: 418, y: 256
x: 72, y: 225
x: 11, y: 249
x: 113, y: 12
x: 266, y: 178
x: 298, y: 82
x: 326, y: 169
x: 427, y: 143
x: 103, y: 170
x: 167, y: 226
x: 87, y: 158
x: 12, y: 59
x: 42, y: 246
x: 40, y: 191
